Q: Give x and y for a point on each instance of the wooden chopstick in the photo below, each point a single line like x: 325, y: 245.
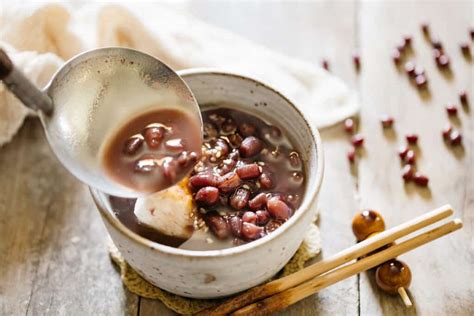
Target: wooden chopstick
x: 288, y: 297
x: 356, y: 251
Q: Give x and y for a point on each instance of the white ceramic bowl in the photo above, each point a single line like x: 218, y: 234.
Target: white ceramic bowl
x: 216, y: 273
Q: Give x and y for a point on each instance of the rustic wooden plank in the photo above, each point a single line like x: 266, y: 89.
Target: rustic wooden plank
x: 52, y: 241
x: 306, y: 30
x: 442, y: 272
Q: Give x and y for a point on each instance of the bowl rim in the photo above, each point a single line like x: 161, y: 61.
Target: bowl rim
x: 310, y: 197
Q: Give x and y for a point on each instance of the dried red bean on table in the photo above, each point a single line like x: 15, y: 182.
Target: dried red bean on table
x: 357, y: 140
x: 349, y: 125
x: 436, y: 43
x: 425, y: 28
x: 420, y: 180
x: 455, y: 137
x: 408, y: 172
x: 451, y: 109
x: 410, y: 157
x: 325, y: 64
x: 401, y: 47
x: 351, y: 155
x: 407, y: 39
x: 443, y: 61
x: 421, y: 81
x: 463, y: 97
x: 387, y: 121
x: 396, y: 57
x: 412, y: 139
x: 356, y: 61
x: 465, y: 49
x: 410, y: 69
x: 447, y: 131
x: 402, y: 152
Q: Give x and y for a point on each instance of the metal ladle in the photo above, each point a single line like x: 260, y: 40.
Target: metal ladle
x: 93, y: 94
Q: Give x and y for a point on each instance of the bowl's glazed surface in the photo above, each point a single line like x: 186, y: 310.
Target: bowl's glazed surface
x: 217, y: 273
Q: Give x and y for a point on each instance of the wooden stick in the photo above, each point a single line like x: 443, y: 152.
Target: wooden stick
x: 293, y: 295
x: 356, y: 251
x: 404, y: 296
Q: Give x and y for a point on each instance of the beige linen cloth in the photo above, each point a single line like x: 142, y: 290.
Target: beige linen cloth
x: 41, y: 36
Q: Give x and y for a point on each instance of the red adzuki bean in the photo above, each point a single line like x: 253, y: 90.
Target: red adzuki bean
x: 402, y: 152
x: 410, y: 157
x: 412, y: 139
x: 218, y: 225
x: 235, y: 223
x: 229, y: 182
x: 408, y: 172
x: 247, y: 129
x: 207, y: 196
x: 250, y: 171
x: 463, y: 97
x: 250, y: 146
x: 351, y: 155
x: 258, y: 202
x: 239, y: 199
x: 154, y: 135
x: 421, y: 180
x: 451, y: 109
x: 278, y: 209
x: 251, y: 231
x: 357, y: 140
x: 387, y: 121
x: 325, y: 64
x: 455, y: 137
x: 349, y: 126
x: 266, y: 180
x: 249, y: 217
x: 204, y: 179
x: 262, y: 217
x: 132, y: 145
x: 447, y: 131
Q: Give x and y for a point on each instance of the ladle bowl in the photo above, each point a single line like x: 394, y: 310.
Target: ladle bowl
x: 92, y: 95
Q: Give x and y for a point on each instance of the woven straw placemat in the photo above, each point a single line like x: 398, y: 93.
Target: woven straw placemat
x: 182, y: 305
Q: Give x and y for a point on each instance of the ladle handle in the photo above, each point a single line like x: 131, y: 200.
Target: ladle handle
x: 23, y: 88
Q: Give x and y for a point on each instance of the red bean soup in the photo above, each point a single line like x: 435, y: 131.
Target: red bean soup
x: 248, y: 182
x: 153, y: 150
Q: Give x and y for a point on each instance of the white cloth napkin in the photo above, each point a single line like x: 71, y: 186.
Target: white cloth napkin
x: 41, y: 36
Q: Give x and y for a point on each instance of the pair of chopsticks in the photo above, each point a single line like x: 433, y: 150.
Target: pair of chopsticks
x: 281, y: 293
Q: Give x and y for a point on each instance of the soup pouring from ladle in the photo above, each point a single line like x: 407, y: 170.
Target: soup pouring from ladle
x: 93, y: 96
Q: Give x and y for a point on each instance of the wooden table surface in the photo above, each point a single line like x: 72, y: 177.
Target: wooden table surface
x: 53, y: 243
